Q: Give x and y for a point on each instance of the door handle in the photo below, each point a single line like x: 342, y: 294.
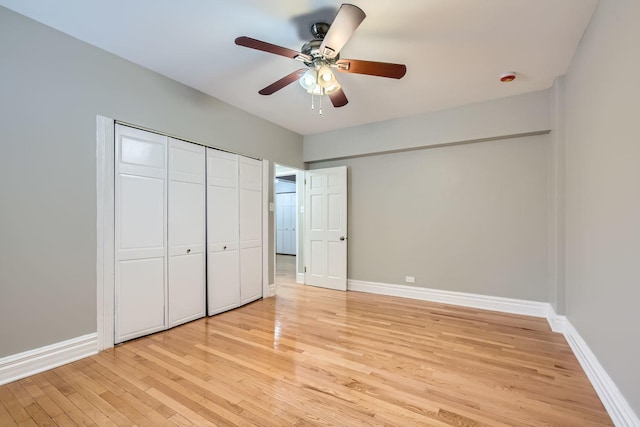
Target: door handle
x: 342, y: 238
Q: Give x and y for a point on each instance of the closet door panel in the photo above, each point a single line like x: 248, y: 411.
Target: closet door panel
x: 251, y: 274
x: 250, y: 229
x: 141, y: 218
x: 186, y: 288
x: 140, y: 233
x: 290, y: 225
x: 223, y: 272
x: 250, y: 174
x: 280, y: 227
x: 222, y: 213
x: 222, y: 168
x: 186, y: 217
x: 186, y: 236
x: 250, y: 218
x: 140, y: 289
x: 224, y: 283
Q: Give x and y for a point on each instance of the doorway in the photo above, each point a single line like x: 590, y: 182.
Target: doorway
x: 289, y: 220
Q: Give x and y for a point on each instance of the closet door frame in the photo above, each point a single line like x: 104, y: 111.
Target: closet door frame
x: 105, y: 234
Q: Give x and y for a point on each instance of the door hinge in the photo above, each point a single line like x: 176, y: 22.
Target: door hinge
x: 305, y: 269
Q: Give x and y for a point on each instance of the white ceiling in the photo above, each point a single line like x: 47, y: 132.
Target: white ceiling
x: 455, y: 50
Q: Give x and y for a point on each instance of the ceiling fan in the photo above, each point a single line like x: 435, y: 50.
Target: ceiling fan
x: 322, y: 55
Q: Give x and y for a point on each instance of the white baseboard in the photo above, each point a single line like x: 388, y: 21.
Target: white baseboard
x: 300, y: 278
x: 505, y: 305
x: 272, y: 290
x: 41, y: 359
x: 614, y: 402
x: 558, y: 323
x: 616, y: 405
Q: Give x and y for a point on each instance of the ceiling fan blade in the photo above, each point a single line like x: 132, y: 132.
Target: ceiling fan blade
x: 270, y: 48
x: 285, y: 81
x: 338, y: 98
x: 372, y: 68
x: 344, y: 25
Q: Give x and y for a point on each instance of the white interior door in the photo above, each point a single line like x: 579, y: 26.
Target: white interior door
x: 223, y: 272
x: 326, y: 228
x: 140, y: 233
x: 186, y: 232
x: 250, y: 229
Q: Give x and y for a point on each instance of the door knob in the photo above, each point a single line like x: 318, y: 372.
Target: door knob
x: 342, y: 238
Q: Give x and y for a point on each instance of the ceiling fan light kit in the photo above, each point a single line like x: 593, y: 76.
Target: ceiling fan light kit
x: 321, y: 56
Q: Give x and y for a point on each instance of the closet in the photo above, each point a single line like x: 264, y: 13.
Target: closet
x: 188, y: 232
x: 234, y: 230
x: 286, y: 223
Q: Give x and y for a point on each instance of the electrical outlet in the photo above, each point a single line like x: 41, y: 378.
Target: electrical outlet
x: 410, y: 279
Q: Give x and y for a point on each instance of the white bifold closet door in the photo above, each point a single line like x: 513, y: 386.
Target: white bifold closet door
x: 159, y: 233
x: 223, y: 231
x: 140, y: 233
x: 250, y: 229
x: 186, y: 232
x: 234, y: 230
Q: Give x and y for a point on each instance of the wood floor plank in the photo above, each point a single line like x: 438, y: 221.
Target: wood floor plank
x: 5, y: 417
x: 13, y: 406
x: 91, y: 411
x: 43, y: 400
x: 316, y: 357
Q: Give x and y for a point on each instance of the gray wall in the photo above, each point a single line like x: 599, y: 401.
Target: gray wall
x: 467, y: 218
x: 602, y: 98
x: 51, y: 89
x: 498, y: 118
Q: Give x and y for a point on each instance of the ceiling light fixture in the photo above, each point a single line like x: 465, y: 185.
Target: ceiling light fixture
x: 322, y: 56
x: 319, y: 81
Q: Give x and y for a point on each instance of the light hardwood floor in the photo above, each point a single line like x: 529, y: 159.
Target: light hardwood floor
x: 318, y: 357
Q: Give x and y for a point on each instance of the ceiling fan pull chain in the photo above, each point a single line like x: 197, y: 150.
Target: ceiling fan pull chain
x: 321, y: 93
x: 312, y: 106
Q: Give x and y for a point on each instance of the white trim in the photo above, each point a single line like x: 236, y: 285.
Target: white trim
x: 272, y: 290
x: 105, y: 231
x: 485, y: 302
x: 614, y: 402
x: 558, y: 323
x: 266, y: 287
x: 300, y: 278
x: 41, y: 359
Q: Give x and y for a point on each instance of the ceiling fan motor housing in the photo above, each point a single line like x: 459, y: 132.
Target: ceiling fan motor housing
x: 312, y: 49
x: 319, y: 30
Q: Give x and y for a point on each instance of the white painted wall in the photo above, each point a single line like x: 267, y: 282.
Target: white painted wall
x: 603, y: 192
